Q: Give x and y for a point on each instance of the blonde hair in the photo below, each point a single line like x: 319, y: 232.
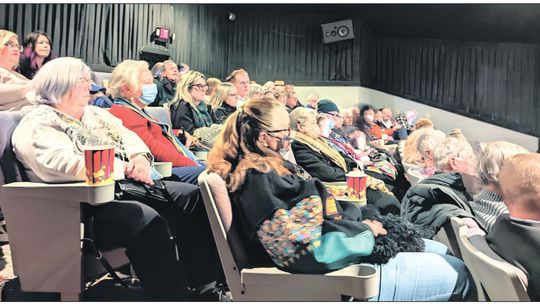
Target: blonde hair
x: 411, y: 154
x: 128, y: 73
x: 237, y: 147
x: 491, y: 158
x: 255, y: 88
x: 183, y: 87
x: 452, y: 147
x: 5, y: 36
x: 232, y: 77
x: 222, y: 93
x: 423, y: 123
x: 212, y: 84
x: 519, y: 184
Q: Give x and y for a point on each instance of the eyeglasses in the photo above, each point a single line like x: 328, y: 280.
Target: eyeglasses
x: 14, y: 45
x: 335, y: 115
x: 200, y: 86
x: 288, y: 137
x: 233, y: 95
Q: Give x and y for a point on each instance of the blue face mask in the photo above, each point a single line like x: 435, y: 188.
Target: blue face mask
x: 331, y: 124
x: 149, y: 93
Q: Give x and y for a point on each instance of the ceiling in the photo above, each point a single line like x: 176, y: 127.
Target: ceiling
x: 469, y: 22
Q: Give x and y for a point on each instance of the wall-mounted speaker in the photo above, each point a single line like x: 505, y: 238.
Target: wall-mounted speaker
x: 337, y: 31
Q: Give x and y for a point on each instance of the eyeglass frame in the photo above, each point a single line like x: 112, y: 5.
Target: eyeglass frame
x: 10, y: 44
x: 287, y: 137
x: 199, y: 86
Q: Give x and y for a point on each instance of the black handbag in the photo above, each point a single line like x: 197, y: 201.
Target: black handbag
x: 156, y: 195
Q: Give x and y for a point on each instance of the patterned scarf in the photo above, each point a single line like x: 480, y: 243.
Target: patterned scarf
x: 201, y: 116
x: 165, y: 128
x: 321, y: 146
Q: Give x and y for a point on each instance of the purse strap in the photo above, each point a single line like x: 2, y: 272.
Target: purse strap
x: 99, y: 255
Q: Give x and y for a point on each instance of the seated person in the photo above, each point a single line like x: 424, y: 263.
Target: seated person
x: 131, y: 96
x: 488, y: 205
x: 166, y: 84
x: 267, y: 195
x: 256, y: 91
x: 425, y: 145
x: 330, y: 110
x: 224, y: 102
x: 411, y: 154
x: 213, y: 84
x: 516, y: 236
x: 367, y: 122
x: 434, y: 200
x: 98, y: 97
x: 388, y: 122
x: 49, y: 142
x: 188, y: 109
x: 13, y: 86
x: 315, y: 155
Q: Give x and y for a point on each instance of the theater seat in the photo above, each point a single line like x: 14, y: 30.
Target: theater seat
x: 44, y: 224
x: 248, y: 283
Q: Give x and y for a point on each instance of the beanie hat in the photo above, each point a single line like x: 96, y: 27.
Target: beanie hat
x: 326, y: 106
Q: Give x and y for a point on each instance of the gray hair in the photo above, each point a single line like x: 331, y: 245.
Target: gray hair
x: 429, y: 141
x: 57, y: 78
x: 299, y: 116
x: 492, y: 157
x: 255, y: 88
x: 452, y: 147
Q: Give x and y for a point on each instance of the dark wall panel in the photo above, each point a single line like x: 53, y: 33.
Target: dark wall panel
x: 289, y: 47
x: 494, y: 82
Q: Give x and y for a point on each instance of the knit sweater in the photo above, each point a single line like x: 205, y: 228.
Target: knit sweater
x: 487, y: 207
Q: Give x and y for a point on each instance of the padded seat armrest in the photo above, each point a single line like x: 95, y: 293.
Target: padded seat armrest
x: 77, y: 192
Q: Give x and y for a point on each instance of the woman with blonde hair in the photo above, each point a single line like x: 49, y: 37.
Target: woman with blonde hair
x: 256, y: 91
x: 488, y: 204
x: 13, y: 86
x: 281, y: 213
x: 188, y: 109
x: 213, y: 84
x: 224, y: 102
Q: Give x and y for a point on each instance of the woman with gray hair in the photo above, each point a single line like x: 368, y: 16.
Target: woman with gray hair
x: 488, y: 204
x: 256, y: 91
x: 49, y: 142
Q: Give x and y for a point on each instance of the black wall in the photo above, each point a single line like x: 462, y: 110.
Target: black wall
x: 496, y: 82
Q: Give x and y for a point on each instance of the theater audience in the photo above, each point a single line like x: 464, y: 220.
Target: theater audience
x: 426, y: 145
x: 49, y: 142
x: 435, y: 199
x: 367, y: 123
x: 13, y: 86
x: 411, y: 153
x: 515, y: 236
x: 213, y: 84
x: 224, y: 102
x: 240, y: 79
x: 188, y: 110
x: 265, y: 190
x: 330, y: 110
x: 323, y: 160
x: 488, y: 204
x: 388, y: 122
x: 166, y: 85
x: 132, y: 88
x: 37, y: 52
x: 269, y: 87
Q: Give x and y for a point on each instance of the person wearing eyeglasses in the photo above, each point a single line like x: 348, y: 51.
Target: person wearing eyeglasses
x: 287, y: 219
x: 188, y: 109
x: 37, y: 52
x: 224, y: 101
x: 166, y: 85
x: 13, y: 86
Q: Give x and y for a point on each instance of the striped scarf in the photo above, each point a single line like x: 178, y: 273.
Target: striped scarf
x: 487, y: 207
x: 166, y: 129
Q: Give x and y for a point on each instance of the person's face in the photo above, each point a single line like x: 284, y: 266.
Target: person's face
x: 145, y: 78
x: 281, y: 99
x: 80, y: 95
x: 310, y: 127
x: 313, y: 102
x: 378, y: 116
x: 291, y: 100
x: 11, y: 53
x: 336, y: 118
x: 386, y: 114
x: 43, y: 46
x: 289, y: 88
x: 242, y: 84
x: 462, y: 165
x: 280, y: 135
x: 347, y: 119
x: 171, y: 72
x: 198, y: 89
x: 369, y: 116
x: 232, y: 99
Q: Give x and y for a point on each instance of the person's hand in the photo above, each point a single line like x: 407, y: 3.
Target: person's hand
x: 398, y: 126
x: 189, y: 139
x: 138, y: 169
x: 376, y: 227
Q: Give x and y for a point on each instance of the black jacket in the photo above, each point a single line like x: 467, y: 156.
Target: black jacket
x: 182, y: 116
x: 166, y: 92
x: 518, y: 242
x: 221, y: 113
x: 434, y: 200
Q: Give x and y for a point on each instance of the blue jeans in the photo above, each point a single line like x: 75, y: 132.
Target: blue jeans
x: 425, y: 276
x: 187, y: 174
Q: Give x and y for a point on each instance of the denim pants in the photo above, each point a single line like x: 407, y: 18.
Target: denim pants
x: 425, y: 276
x: 187, y: 174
